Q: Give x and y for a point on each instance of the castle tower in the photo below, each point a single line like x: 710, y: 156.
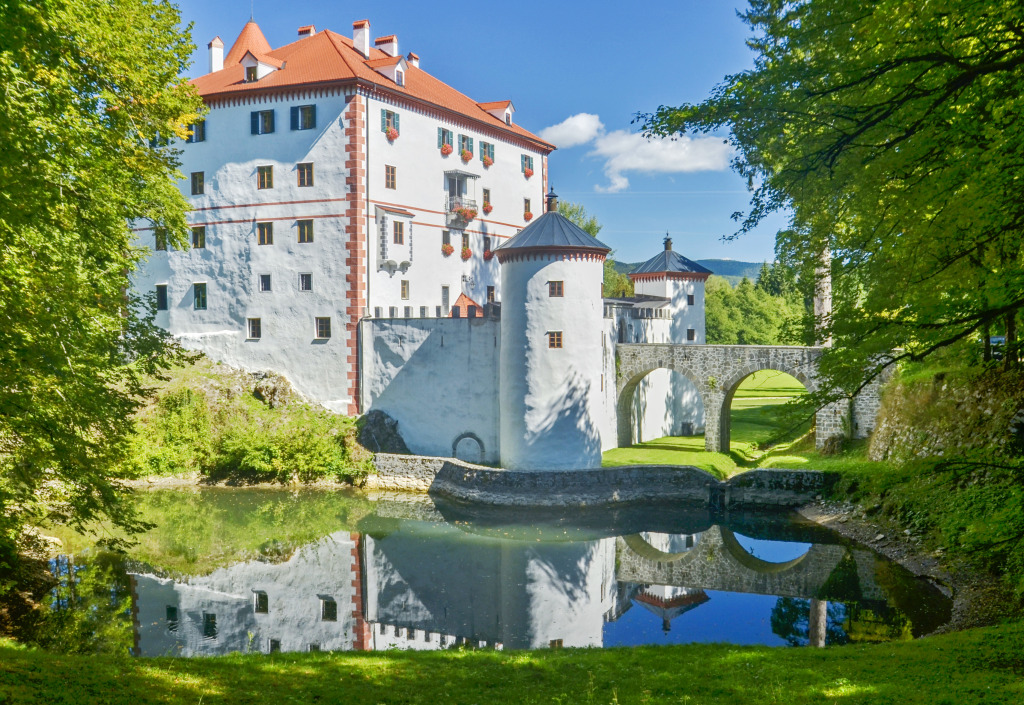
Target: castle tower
x: 670, y: 275
x: 551, y: 343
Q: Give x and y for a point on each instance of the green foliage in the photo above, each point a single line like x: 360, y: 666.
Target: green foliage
x: 85, y: 86
x: 965, y: 668
x: 751, y: 314
x: 616, y: 284
x: 893, y: 134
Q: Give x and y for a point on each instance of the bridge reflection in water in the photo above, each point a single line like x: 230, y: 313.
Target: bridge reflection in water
x: 428, y: 576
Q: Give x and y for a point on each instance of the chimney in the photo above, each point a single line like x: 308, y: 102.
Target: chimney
x: 552, y: 198
x: 307, y: 31
x: 216, y: 54
x: 413, y: 59
x: 668, y: 243
x: 361, y: 37
x: 388, y: 45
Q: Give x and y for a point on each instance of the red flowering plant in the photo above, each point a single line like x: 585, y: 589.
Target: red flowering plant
x: 528, y: 172
x: 527, y: 216
x: 488, y: 162
x: 446, y: 149
x: 467, y: 156
x: 466, y: 253
x: 392, y: 134
x: 488, y: 208
x: 447, y: 249
x: 488, y: 254
x: 465, y: 212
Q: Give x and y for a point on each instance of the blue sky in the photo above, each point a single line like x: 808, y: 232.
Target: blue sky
x: 595, y: 64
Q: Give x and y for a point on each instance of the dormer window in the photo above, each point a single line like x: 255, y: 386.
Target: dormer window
x: 250, y: 74
x: 508, y: 117
x: 400, y: 78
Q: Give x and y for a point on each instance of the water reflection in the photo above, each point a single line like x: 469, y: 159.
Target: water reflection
x: 435, y: 576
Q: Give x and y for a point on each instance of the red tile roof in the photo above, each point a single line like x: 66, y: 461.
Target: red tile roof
x: 386, y: 61
x: 463, y: 303
x: 327, y: 57
x: 495, y: 105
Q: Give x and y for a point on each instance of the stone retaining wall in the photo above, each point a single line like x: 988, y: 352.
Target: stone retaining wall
x: 462, y: 481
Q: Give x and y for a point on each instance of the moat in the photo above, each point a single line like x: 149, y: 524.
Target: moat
x: 271, y: 570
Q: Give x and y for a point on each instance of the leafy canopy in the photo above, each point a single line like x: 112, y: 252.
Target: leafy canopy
x: 895, y: 134
x: 85, y: 86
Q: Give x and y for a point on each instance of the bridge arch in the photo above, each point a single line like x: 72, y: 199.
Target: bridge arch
x: 624, y: 404
x: 732, y: 384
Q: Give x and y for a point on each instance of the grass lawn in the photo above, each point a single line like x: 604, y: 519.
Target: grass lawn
x: 755, y: 421
x: 977, y: 666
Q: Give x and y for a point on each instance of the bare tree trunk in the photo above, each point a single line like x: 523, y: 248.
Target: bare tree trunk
x: 818, y: 622
x: 823, y: 298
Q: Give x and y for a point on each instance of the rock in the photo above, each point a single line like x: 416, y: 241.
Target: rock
x: 907, y: 532
x: 833, y: 445
x: 379, y: 433
x: 273, y: 389
x: 879, y: 537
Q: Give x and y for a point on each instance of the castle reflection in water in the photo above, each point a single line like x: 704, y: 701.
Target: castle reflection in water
x: 411, y: 581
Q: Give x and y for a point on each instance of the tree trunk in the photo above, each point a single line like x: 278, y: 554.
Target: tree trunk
x: 816, y: 628
x: 1010, y: 347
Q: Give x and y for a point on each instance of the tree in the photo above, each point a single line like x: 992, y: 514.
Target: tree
x: 615, y: 283
x: 895, y: 134
x: 86, y: 87
x: 750, y: 315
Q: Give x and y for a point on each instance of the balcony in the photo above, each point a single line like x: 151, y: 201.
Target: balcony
x: 455, y: 208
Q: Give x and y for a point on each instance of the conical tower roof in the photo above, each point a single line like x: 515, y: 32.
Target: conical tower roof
x: 669, y: 261
x: 250, y: 39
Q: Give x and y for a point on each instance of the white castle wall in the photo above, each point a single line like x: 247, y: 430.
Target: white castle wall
x: 437, y: 377
x: 551, y: 403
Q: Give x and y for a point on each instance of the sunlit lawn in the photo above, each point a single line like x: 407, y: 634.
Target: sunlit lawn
x: 756, y: 420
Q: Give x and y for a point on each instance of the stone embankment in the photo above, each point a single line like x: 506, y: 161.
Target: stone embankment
x: 454, y: 479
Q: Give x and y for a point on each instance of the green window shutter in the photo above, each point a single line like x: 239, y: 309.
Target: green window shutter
x: 470, y: 145
x: 522, y: 162
x: 440, y: 137
x: 295, y: 117
x: 254, y: 120
x: 383, y: 120
x: 272, y: 113
x: 397, y: 128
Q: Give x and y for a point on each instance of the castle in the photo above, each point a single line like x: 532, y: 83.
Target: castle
x: 370, y: 232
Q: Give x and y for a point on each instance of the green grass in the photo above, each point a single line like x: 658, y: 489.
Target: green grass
x: 977, y: 666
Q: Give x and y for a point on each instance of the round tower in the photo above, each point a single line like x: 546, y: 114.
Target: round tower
x: 551, y: 338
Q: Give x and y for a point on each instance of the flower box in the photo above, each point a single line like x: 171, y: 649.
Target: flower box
x: 447, y: 249
x: 527, y: 173
x: 446, y: 149
x: 488, y: 208
x: 392, y: 134
x: 488, y: 254
x: 466, y: 253
x: 488, y: 162
x: 467, y: 156
x: 465, y: 212
x: 527, y: 216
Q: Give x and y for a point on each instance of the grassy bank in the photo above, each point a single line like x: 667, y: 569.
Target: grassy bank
x: 977, y: 666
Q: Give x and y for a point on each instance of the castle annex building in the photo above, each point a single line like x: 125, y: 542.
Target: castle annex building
x: 333, y: 180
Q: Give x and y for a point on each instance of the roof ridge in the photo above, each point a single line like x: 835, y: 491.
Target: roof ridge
x: 335, y: 38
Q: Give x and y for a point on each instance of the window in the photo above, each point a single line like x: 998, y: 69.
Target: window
x: 526, y: 162
x: 198, y: 133
x: 689, y: 299
x: 526, y: 206
x: 172, y: 618
x: 264, y: 177
x: 691, y: 334
x: 255, y: 333
x: 490, y: 294
x: 555, y: 289
x: 405, y: 289
x: 378, y: 312
x: 555, y: 339
x: 423, y: 311
x: 305, y: 172
x: 199, y: 297
x: 400, y: 78
x: 250, y: 74
x: 303, y: 117
x: 408, y: 311
x: 199, y: 237
x: 444, y: 137
x: 465, y: 144
x: 323, y: 331
x: 487, y: 243
x: 197, y: 183
x: 261, y: 122
x: 486, y: 151
x: 209, y: 626
x: 555, y: 644
x: 465, y: 241
x: 445, y: 302
x: 313, y: 648
x: 160, y: 238
x: 275, y: 646
x: 305, y: 230
x: 260, y: 603
x: 390, y: 176
x: 265, y: 233
x: 389, y: 120
x: 328, y: 609
x: 446, y: 237
x: 264, y: 282
x: 305, y: 282
x: 487, y: 196
x: 399, y: 228
x: 161, y: 297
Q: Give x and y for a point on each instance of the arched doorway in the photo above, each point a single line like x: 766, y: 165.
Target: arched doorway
x: 468, y: 447
x: 659, y: 402
x: 752, y: 418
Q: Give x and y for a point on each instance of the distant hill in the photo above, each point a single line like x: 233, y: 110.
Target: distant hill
x: 730, y: 269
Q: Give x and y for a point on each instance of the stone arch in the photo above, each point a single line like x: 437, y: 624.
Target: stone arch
x: 624, y: 411
x: 751, y: 562
x: 470, y: 436
x: 641, y: 547
x: 732, y: 383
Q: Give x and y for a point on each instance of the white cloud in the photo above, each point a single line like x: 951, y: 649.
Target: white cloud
x: 573, y: 131
x: 630, y: 151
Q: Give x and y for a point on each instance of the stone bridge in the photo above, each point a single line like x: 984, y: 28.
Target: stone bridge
x: 718, y: 562
x: 717, y: 370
